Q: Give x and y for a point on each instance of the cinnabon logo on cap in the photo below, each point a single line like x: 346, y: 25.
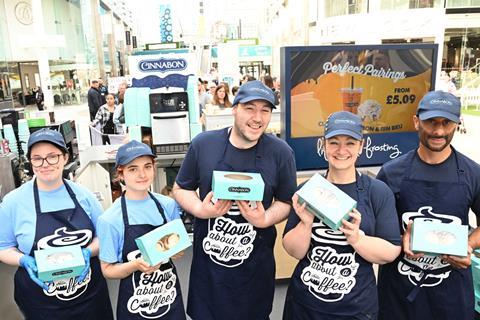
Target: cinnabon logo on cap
x: 440, y: 101
x: 131, y: 149
x: 343, y: 121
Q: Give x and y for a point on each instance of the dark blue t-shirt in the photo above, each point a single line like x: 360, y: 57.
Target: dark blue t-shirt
x: 274, y: 159
x: 393, y: 172
x: 233, y: 267
x: 332, y: 278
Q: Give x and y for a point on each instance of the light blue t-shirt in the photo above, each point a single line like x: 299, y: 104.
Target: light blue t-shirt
x: 110, y: 227
x: 18, y: 217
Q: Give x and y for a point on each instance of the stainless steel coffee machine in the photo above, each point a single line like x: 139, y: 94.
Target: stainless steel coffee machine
x: 170, y: 123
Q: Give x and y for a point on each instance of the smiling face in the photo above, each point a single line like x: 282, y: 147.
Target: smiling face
x: 49, y: 176
x: 138, y: 175
x: 251, y: 119
x: 435, y: 134
x: 342, y: 152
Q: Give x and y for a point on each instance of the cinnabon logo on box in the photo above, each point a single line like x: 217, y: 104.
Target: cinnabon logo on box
x: 239, y: 189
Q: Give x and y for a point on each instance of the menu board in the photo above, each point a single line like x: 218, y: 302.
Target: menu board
x: 382, y: 84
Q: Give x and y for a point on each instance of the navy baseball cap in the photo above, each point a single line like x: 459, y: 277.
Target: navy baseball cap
x: 344, y: 123
x: 131, y: 151
x: 254, y: 90
x: 46, y: 135
x: 439, y: 104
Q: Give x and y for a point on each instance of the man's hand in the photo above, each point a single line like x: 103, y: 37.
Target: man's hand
x: 256, y: 216
x: 406, y: 243
x: 209, y: 210
x: 459, y: 262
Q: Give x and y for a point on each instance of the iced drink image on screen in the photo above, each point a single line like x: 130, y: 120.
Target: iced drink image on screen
x: 351, y: 97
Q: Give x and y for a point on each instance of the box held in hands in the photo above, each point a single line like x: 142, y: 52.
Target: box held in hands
x: 229, y: 185
x: 436, y: 238
x: 59, y: 262
x: 326, y: 201
x: 162, y: 243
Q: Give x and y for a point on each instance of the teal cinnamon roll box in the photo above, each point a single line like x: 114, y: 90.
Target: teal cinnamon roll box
x: 59, y: 262
x: 436, y: 238
x: 160, y: 244
x: 326, y: 201
x: 230, y: 185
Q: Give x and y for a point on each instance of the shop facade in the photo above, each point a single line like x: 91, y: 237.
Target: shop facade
x: 453, y: 24
x: 57, y: 45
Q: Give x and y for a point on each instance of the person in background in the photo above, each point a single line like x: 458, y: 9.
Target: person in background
x: 103, y: 90
x: 119, y: 97
x: 235, y: 90
x: 344, y: 288
x: 94, y: 99
x: 211, y: 88
x: 445, y: 84
x: 50, y: 211
x: 233, y: 268
x: 276, y: 83
x: 39, y: 98
x: 104, y: 116
x: 246, y: 78
x: 268, y: 81
x: 227, y: 89
x: 220, y: 97
x: 437, y: 182
x: 203, y: 97
x: 119, y: 113
x: 145, y: 292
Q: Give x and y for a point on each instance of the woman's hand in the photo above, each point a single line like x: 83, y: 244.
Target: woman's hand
x: 144, y: 267
x: 306, y: 217
x: 29, y: 264
x: 352, y: 229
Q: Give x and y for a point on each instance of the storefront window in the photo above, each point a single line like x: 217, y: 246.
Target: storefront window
x: 106, y: 19
x: 462, y: 3
x: 410, y: 4
x: 339, y: 8
x: 6, y: 97
x: 463, y: 57
x: 73, y: 65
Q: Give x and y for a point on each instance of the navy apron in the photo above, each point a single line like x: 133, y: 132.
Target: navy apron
x: 65, y: 299
x: 233, y: 272
x: 428, y: 288
x: 147, y: 296
x: 356, y: 296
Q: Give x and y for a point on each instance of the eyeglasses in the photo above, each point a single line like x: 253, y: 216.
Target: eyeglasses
x: 51, y: 160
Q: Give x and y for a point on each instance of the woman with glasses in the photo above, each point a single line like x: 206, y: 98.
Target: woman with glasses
x: 146, y: 292
x: 334, y: 278
x: 45, y: 212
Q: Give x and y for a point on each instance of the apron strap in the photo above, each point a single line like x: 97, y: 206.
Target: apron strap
x: 124, y: 209
x: 36, y: 196
x: 416, y: 289
x: 159, y: 207
x: 72, y: 194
